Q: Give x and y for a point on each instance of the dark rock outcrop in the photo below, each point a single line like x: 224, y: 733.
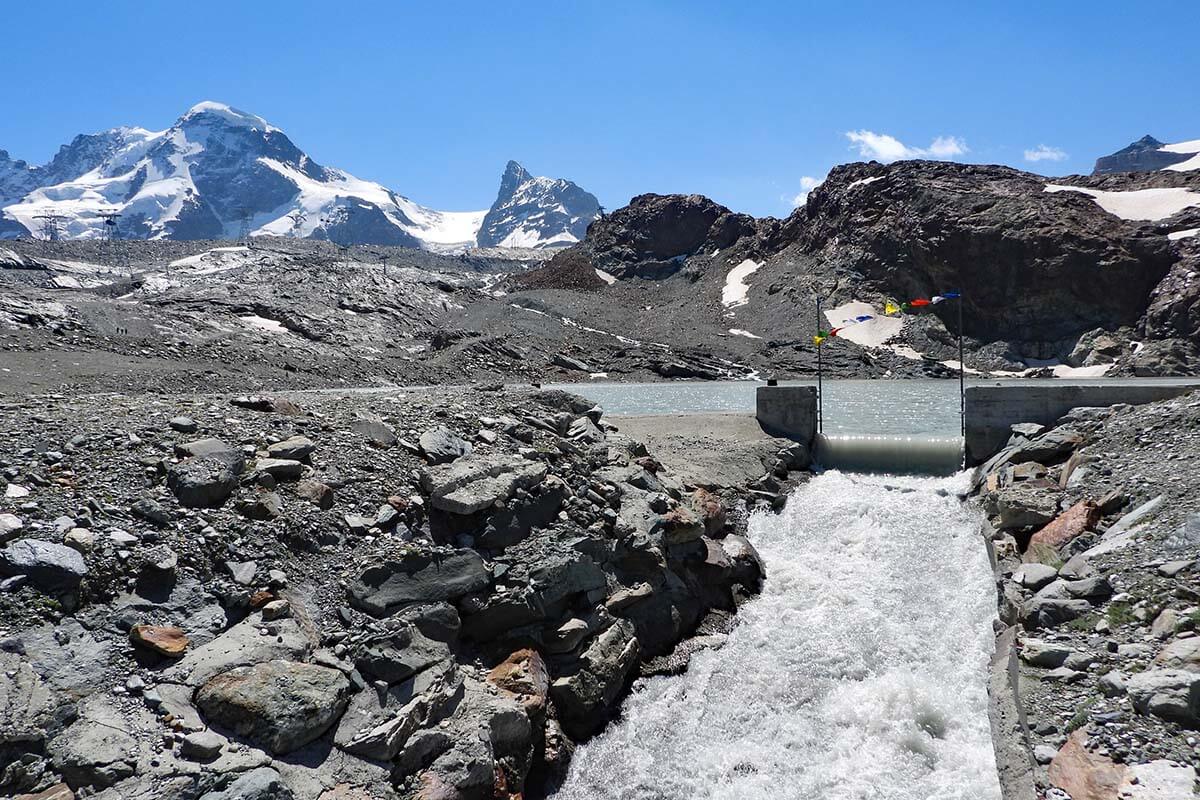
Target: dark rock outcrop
x: 1032, y: 265
x: 651, y: 237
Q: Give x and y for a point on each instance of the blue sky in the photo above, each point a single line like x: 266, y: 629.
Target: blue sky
x: 736, y: 100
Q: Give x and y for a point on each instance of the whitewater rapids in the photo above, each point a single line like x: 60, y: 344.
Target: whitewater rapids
x: 859, y: 673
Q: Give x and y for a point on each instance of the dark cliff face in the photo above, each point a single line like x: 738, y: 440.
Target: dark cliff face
x: 1143, y: 155
x: 1032, y: 265
x: 653, y: 235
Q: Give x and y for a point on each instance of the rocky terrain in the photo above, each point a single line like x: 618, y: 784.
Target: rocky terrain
x: 1096, y: 534
x: 420, y: 594
x: 1075, y: 276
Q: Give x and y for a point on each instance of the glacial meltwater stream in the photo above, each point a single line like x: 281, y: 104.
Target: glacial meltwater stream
x: 860, y: 673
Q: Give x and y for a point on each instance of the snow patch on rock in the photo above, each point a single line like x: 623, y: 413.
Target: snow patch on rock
x: 734, y: 293
x: 1138, y: 204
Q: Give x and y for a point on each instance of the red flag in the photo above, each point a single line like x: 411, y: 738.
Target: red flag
x: 919, y: 302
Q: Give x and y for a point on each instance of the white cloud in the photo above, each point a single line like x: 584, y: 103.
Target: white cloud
x: 1045, y: 153
x: 948, y: 147
x: 807, y: 184
x: 885, y: 148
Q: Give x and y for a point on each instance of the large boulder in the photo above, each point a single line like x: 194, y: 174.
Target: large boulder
x: 1048, y: 448
x: 1022, y: 506
x: 1049, y: 608
x: 1066, y: 526
x: 418, y: 577
x: 399, y: 653
x: 50, y: 566
x: 241, y: 645
x: 442, y: 445
x: 1181, y: 654
x: 213, y: 448
x: 473, y: 483
x: 280, y: 705
x: 263, y: 783
x: 295, y: 448
x: 202, y: 481
x: 379, y: 722
x: 97, y: 750
x: 584, y: 694
x: 524, y: 677
x: 1172, y: 694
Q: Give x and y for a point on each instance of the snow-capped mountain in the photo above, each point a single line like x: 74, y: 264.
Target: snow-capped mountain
x: 537, y: 212
x: 221, y: 173
x: 1149, y: 155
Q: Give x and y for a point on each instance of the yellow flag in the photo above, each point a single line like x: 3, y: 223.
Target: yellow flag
x: 891, y: 308
x: 817, y: 340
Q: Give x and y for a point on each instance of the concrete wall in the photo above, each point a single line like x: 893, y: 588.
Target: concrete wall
x: 991, y: 410
x: 788, y: 411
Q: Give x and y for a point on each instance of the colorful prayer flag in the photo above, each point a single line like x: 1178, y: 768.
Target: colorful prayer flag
x: 890, y: 308
x: 919, y: 302
x: 817, y: 340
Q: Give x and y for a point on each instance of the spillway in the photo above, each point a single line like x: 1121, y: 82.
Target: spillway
x: 906, y: 454
x: 860, y: 673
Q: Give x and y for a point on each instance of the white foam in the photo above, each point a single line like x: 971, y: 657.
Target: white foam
x: 734, y: 292
x: 859, y: 674
x: 1139, y: 204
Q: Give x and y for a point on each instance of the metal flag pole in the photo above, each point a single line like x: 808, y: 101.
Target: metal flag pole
x: 820, y: 369
x: 962, y: 369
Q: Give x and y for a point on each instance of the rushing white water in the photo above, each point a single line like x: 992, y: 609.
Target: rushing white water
x: 859, y: 674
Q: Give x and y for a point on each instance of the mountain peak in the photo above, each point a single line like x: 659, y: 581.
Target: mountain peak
x: 1147, y: 154
x: 514, y: 176
x: 209, y: 109
x: 536, y: 212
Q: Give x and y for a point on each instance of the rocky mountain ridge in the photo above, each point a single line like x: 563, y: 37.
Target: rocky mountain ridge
x: 221, y: 173
x: 1040, y: 262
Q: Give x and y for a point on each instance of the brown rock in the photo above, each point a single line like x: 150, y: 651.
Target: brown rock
x: 523, y: 676
x: 166, y: 640
x: 1085, y: 775
x: 707, y: 506
x: 261, y: 598
x: 315, y: 492
x: 1066, y: 526
x: 59, y: 791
